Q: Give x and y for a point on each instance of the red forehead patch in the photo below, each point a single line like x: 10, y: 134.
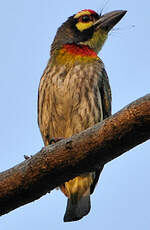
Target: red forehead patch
x: 91, y: 11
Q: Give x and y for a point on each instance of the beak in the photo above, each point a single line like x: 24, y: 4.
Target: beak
x: 109, y: 20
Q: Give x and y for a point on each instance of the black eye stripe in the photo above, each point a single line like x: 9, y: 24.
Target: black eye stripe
x: 85, y: 18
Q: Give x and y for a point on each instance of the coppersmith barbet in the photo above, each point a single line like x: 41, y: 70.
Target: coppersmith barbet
x: 74, y: 93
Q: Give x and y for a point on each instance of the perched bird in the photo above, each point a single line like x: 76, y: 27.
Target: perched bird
x: 74, y: 93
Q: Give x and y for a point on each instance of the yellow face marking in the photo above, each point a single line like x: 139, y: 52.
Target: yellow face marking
x: 82, y: 13
x: 83, y: 25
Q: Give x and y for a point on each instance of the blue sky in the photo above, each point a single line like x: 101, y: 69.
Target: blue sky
x: 121, y: 199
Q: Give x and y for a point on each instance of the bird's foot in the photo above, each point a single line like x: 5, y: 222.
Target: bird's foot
x: 26, y: 157
x: 55, y: 140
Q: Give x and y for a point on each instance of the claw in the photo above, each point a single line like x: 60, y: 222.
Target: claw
x: 26, y: 157
x: 55, y: 140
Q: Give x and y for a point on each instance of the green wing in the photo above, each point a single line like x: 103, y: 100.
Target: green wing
x: 105, y: 92
x: 105, y: 95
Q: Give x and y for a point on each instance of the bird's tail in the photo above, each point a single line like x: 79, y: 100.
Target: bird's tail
x: 76, y: 209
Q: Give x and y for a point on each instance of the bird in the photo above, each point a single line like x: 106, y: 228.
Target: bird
x: 74, y: 93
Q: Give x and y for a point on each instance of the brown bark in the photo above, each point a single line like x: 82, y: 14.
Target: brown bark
x: 62, y: 161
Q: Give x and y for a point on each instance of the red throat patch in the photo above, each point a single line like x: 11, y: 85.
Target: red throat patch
x: 81, y: 50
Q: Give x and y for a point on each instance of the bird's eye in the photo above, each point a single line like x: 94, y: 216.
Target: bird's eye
x: 85, y: 18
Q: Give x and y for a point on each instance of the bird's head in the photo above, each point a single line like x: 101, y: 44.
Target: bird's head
x: 87, y: 28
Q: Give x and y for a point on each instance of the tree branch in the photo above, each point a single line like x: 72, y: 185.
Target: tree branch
x: 68, y: 158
